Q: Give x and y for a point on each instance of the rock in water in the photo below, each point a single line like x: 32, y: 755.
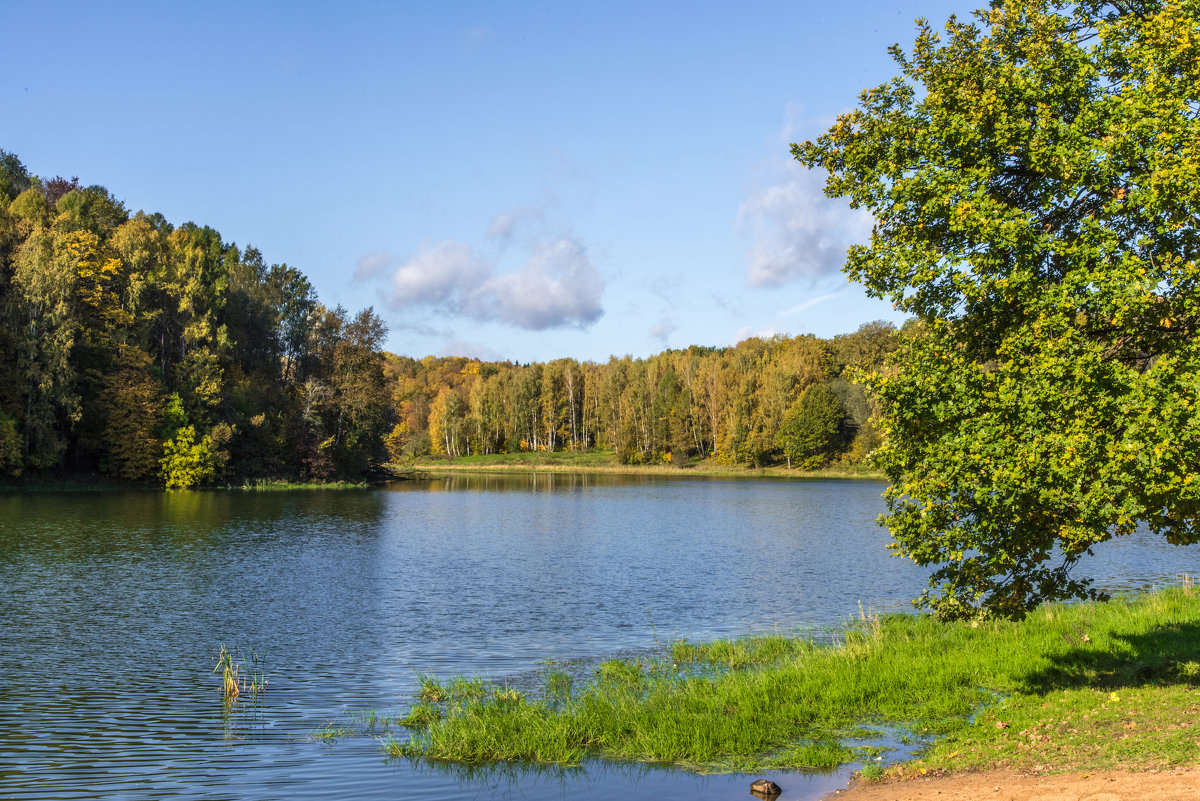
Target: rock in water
x: 765, y: 788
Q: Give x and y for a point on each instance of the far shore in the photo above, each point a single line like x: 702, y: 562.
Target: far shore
x: 605, y: 462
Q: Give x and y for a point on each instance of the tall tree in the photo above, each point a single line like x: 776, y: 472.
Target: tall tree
x: 131, y: 402
x: 44, y: 281
x: 812, y: 428
x: 1036, y: 190
x: 14, y: 178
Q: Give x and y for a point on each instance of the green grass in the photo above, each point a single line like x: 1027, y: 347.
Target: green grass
x: 370, y: 721
x: 97, y: 483
x: 524, y: 460
x: 330, y: 733
x: 459, y: 688
x: 596, y: 461
x: 558, y: 685
x: 276, y: 485
x: 421, y: 714
x: 1066, y: 684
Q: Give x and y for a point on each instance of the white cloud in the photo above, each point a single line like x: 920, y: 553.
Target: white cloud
x: 797, y: 233
x: 558, y: 287
x: 438, y: 275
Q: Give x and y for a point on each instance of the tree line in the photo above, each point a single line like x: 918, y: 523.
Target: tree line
x: 782, y: 400
x: 160, y: 353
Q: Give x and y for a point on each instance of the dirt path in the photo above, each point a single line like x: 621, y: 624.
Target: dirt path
x: 1004, y: 785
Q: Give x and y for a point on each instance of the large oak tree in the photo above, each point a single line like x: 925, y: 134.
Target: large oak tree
x: 1034, y: 176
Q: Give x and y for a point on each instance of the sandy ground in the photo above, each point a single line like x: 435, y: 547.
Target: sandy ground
x: 1003, y: 785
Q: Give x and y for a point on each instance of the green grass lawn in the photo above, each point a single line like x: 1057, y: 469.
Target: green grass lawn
x: 1080, y: 686
x: 596, y: 461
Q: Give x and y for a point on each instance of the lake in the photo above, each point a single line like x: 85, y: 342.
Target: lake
x: 113, y: 606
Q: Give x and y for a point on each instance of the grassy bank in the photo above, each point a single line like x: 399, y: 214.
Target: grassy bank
x: 1083, y: 686
x: 278, y: 485
x: 97, y: 483
x: 606, y: 462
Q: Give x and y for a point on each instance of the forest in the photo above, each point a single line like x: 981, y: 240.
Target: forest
x: 782, y: 400
x: 156, y: 353
x: 161, y: 354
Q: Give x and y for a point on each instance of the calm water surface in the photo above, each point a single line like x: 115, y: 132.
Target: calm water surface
x: 112, y: 606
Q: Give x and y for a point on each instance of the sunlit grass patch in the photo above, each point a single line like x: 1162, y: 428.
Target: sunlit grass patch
x: 741, y: 653
x: 278, y: 485
x: 431, y: 690
x: 601, y: 461
x: 464, y: 689
x: 558, y: 685
x: 421, y: 714
x: 780, y: 702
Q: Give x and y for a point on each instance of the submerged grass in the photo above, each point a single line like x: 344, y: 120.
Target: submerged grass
x: 1083, y: 686
x: 330, y: 733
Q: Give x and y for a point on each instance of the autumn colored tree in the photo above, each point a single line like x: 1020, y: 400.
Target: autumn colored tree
x: 43, y: 307
x: 446, y: 423
x: 1035, y: 187
x: 104, y: 315
x: 131, y: 400
x: 151, y: 351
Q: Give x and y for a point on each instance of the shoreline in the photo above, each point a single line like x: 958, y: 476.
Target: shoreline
x: 432, y: 467
x: 1006, y: 784
x: 427, y: 468
x: 1011, y: 703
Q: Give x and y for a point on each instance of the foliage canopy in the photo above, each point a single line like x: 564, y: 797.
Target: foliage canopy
x: 812, y: 426
x: 145, y: 350
x: 1035, y: 181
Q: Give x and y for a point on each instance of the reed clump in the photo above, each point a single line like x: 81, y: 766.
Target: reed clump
x: 779, y: 702
x: 240, y: 675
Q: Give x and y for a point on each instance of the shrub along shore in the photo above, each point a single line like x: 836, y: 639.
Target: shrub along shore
x: 1072, y: 687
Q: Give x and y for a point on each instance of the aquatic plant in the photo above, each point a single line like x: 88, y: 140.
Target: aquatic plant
x: 431, y: 690
x: 329, y: 733
x: 775, y: 702
x: 239, y: 675
x: 421, y: 715
x: 558, y: 685
x: 464, y: 689
x: 507, y: 695
x: 369, y: 720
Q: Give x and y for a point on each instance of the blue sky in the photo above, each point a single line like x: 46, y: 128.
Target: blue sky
x: 521, y: 181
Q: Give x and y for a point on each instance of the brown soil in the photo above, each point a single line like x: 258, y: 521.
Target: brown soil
x: 1006, y: 785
